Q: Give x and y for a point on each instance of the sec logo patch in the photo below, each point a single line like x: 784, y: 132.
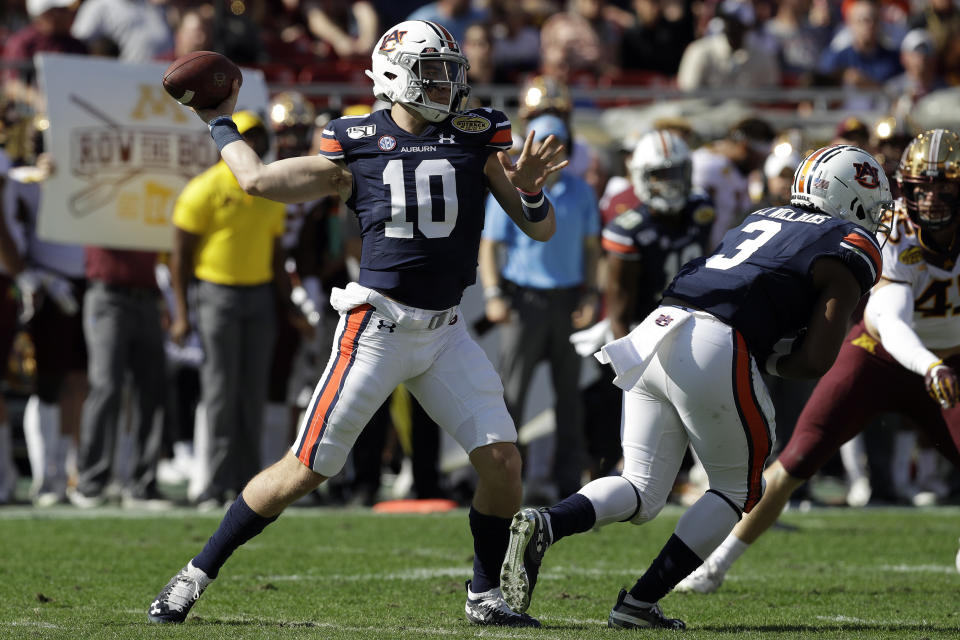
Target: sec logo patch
x: 387, y: 143
x: 470, y: 124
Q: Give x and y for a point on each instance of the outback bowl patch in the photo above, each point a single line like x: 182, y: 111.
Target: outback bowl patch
x: 471, y: 124
x: 703, y: 215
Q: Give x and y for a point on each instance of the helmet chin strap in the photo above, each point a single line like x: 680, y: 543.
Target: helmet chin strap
x: 430, y: 114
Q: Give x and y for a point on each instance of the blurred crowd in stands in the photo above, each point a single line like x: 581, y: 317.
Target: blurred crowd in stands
x: 547, y: 55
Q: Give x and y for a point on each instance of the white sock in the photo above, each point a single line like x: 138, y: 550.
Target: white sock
x: 614, y: 499
x: 706, y: 524
x: 853, y: 454
x: 35, y: 442
x: 728, y: 552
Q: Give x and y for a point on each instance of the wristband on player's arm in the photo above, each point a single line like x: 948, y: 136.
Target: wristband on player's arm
x: 535, y: 205
x: 224, y: 131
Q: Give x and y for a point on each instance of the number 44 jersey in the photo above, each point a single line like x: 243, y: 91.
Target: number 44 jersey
x: 759, y: 280
x: 933, y: 276
x: 419, y: 199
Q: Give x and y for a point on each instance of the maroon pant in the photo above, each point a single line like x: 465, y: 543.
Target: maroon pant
x: 864, y: 382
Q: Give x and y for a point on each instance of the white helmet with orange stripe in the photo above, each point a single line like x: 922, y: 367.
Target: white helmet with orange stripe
x: 418, y: 63
x: 660, y: 170
x: 845, y: 182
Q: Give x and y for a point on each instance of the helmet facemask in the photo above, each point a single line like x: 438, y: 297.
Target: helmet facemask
x: 436, y: 86
x: 931, y: 202
x: 664, y: 189
x: 660, y: 171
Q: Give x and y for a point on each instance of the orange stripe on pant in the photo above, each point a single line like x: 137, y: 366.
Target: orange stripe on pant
x: 346, y: 349
x: 754, y: 422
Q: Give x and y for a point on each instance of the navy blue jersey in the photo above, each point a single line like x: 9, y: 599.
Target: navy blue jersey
x: 759, y: 279
x: 660, y: 244
x: 419, y: 199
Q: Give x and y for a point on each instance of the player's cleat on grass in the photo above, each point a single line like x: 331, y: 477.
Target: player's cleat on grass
x: 174, y: 601
x: 630, y: 614
x: 489, y: 608
x: 707, y: 578
x: 529, y: 539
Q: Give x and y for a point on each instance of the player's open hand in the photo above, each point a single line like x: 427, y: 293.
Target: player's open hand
x: 535, y: 163
x: 225, y: 108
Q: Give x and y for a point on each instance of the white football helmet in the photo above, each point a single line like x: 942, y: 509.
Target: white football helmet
x: 660, y: 170
x: 845, y: 182
x: 420, y: 64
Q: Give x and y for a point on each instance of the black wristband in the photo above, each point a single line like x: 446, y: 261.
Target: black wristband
x: 224, y: 131
x: 535, y: 211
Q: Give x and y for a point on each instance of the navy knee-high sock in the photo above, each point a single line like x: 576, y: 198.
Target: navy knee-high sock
x: 238, y: 525
x: 573, y: 514
x: 675, y: 562
x: 490, y: 538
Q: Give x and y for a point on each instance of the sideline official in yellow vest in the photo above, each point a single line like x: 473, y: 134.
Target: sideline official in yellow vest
x: 230, y: 242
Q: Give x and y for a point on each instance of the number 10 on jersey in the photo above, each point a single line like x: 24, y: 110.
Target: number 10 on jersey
x: 430, y: 226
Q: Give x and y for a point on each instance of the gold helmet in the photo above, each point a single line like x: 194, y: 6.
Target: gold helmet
x: 929, y: 178
x: 541, y: 94
x: 292, y: 117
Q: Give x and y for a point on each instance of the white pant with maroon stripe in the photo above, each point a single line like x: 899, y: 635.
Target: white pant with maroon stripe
x: 380, y: 344
x: 701, y: 387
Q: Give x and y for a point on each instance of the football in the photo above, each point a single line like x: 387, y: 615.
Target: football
x: 201, y: 79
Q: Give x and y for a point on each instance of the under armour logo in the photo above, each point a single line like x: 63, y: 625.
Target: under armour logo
x: 446, y: 139
x: 867, y: 175
x: 389, y: 327
x: 664, y: 320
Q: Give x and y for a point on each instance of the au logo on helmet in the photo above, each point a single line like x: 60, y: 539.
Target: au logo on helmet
x: 867, y: 175
x: 392, y: 39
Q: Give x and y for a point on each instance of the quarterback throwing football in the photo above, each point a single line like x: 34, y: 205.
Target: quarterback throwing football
x: 416, y: 176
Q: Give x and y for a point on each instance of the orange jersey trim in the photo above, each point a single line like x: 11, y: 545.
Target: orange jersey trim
x: 867, y: 247
x: 330, y: 145
x: 616, y: 247
x: 346, y: 350
x: 755, y: 425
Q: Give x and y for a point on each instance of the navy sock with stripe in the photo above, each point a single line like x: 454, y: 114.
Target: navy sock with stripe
x: 491, y: 535
x: 239, y: 524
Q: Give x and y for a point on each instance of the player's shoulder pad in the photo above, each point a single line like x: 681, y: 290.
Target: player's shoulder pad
x: 861, y: 252
x: 341, y: 134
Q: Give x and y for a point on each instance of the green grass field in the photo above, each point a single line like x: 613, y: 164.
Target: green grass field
x: 330, y: 574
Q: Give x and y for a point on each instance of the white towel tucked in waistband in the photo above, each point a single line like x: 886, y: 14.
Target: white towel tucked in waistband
x: 630, y: 355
